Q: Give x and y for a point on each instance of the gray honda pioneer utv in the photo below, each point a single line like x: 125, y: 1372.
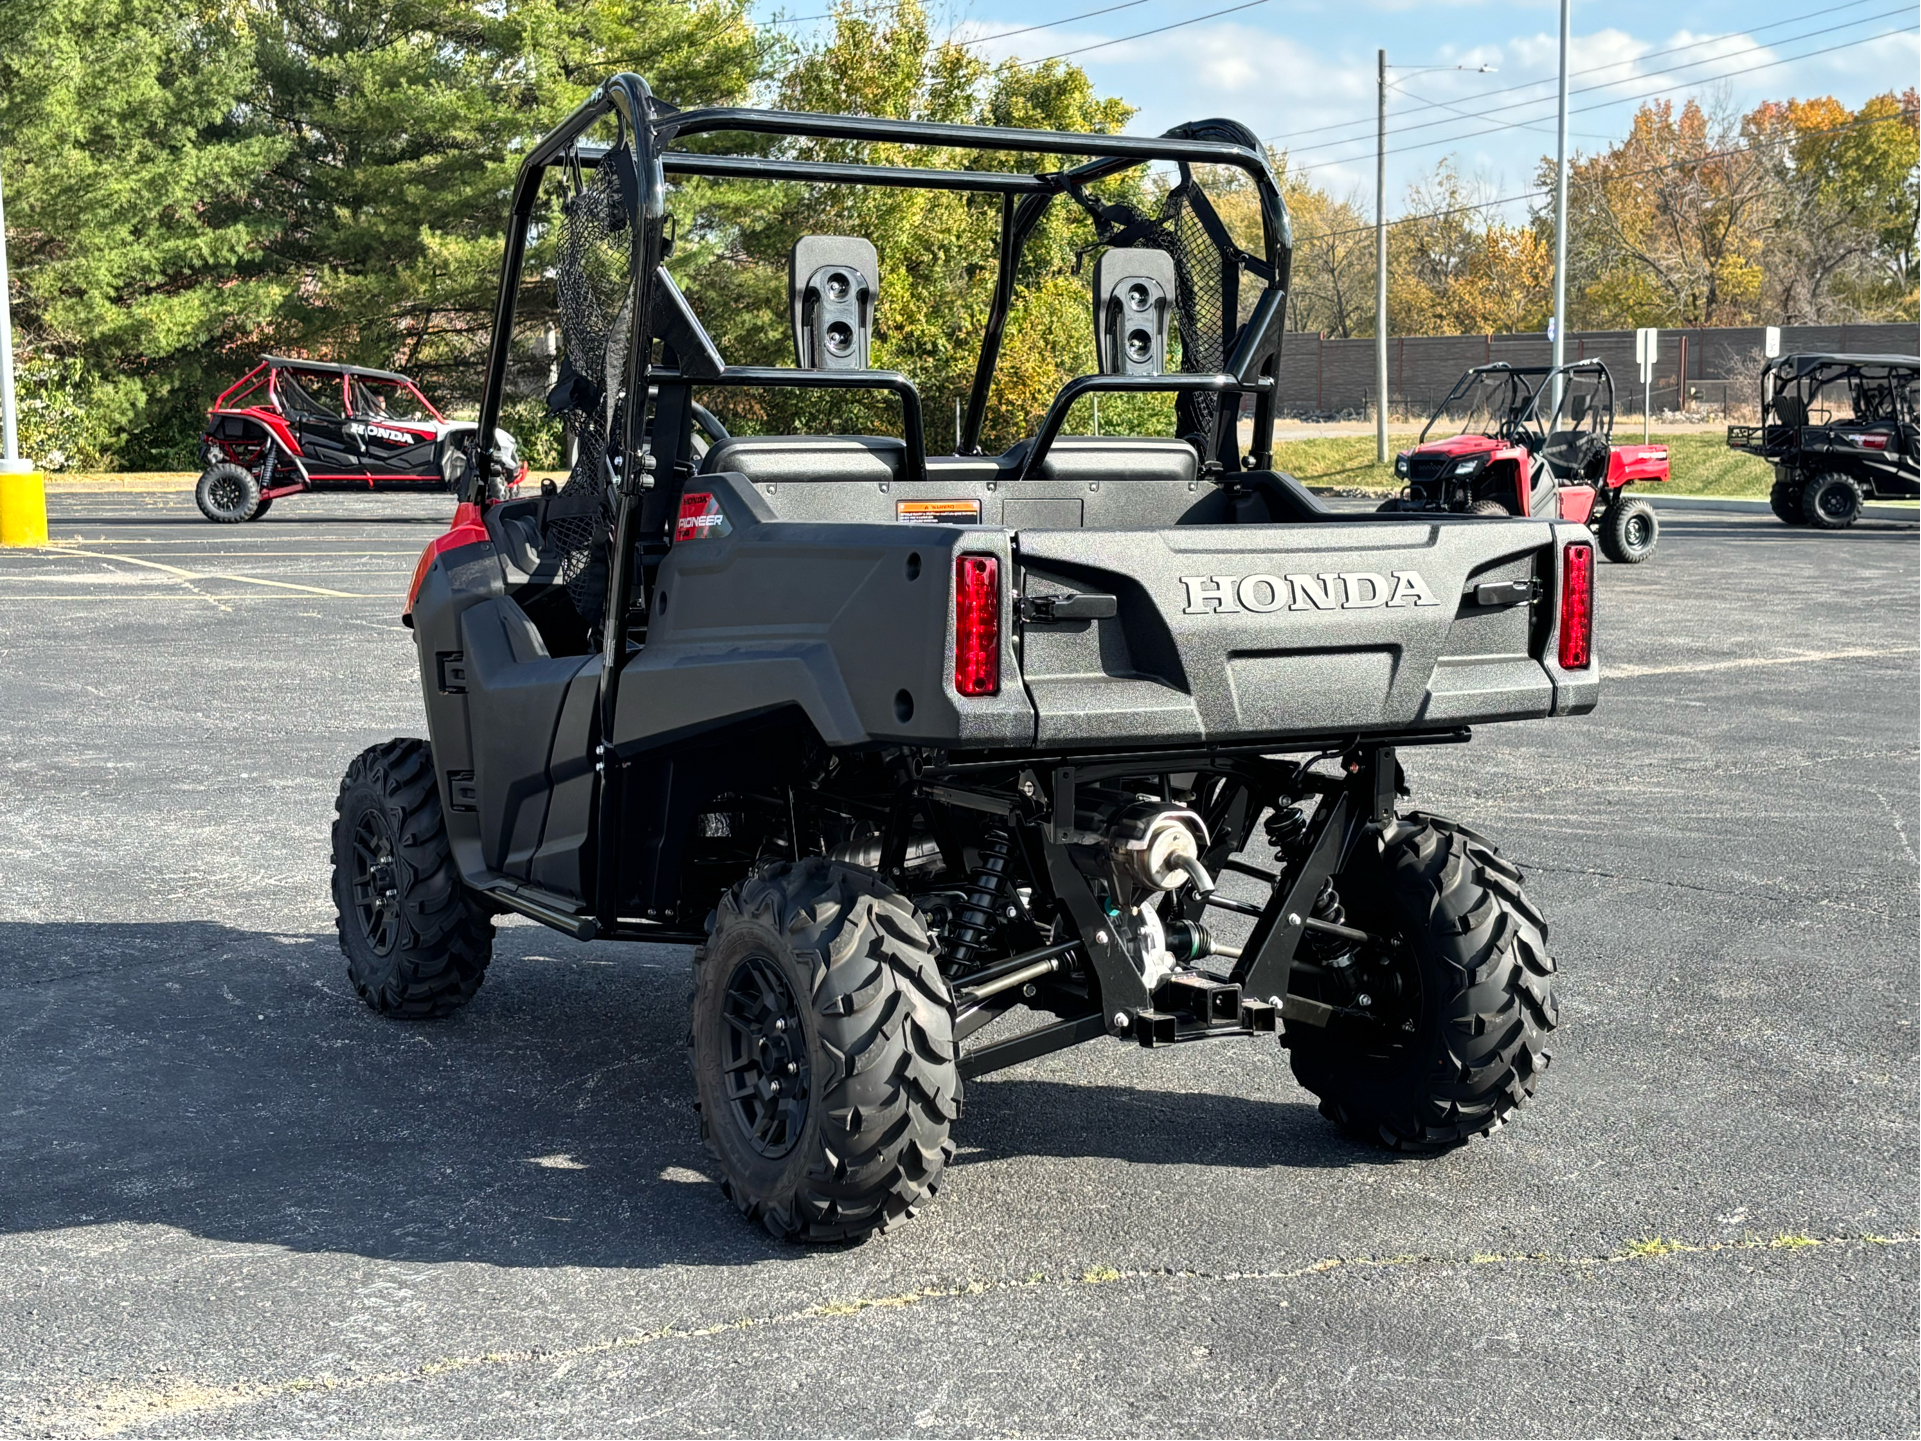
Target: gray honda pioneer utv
x: 939, y: 761
x: 1827, y: 465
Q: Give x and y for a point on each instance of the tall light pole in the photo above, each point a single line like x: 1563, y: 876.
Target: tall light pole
x: 1380, y: 267
x: 1560, y: 212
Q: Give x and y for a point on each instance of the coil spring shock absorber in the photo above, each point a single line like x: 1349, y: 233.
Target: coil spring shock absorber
x: 986, y: 893
x: 1287, y: 832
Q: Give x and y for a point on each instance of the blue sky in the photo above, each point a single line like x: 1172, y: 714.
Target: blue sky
x: 1295, y: 69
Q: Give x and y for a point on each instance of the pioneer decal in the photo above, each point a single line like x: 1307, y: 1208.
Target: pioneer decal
x: 700, y: 518
x: 1331, y: 590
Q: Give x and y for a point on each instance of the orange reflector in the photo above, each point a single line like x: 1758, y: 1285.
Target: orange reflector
x: 1577, y: 607
x: 977, y: 625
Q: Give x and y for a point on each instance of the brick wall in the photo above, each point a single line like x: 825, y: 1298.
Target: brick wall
x: 1713, y: 366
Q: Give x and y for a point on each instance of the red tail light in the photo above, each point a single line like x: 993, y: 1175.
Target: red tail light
x: 1577, y: 607
x: 977, y: 625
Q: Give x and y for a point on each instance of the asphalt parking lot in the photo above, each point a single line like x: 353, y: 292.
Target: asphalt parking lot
x: 233, y: 1201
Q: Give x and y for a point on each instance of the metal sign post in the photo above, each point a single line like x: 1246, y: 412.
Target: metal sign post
x: 1647, y: 342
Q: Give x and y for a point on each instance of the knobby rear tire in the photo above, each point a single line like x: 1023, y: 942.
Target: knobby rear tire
x: 1629, y: 530
x: 882, y: 1080
x: 1832, y: 501
x: 1479, y: 949
x: 428, y: 953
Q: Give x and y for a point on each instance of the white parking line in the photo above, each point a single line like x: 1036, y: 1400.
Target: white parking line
x: 1613, y: 672
x: 190, y: 575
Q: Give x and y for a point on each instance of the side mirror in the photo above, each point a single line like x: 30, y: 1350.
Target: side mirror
x: 832, y: 284
x: 1133, y: 297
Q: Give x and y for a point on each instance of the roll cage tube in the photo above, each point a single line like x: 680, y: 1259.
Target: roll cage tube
x: 649, y: 125
x: 1512, y: 418
x: 1579, y: 367
x: 627, y: 97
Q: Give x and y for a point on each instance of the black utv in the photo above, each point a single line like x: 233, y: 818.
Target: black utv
x: 945, y: 762
x: 1839, y: 431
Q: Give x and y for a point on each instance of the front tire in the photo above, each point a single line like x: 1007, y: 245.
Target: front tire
x: 1463, y: 1043
x: 1629, y: 530
x: 227, y: 494
x: 822, y: 1042
x: 1832, y: 501
x: 1489, y: 507
x: 417, y: 940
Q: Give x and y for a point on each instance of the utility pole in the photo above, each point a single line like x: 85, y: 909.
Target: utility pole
x: 1560, y: 212
x: 1380, y: 268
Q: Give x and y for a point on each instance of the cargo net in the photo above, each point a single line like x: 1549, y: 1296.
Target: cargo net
x: 593, y: 286
x: 1207, y: 275
x: 1207, y: 282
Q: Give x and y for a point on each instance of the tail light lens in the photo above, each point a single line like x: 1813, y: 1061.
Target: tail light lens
x: 1577, y: 607
x: 977, y: 625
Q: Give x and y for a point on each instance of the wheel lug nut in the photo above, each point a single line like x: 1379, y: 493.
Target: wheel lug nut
x: 780, y: 1023
x: 793, y: 1068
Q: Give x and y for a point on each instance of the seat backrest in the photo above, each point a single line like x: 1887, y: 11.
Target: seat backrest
x: 802, y: 458
x: 768, y: 458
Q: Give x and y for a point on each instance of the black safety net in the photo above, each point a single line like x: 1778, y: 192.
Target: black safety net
x: 594, y: 285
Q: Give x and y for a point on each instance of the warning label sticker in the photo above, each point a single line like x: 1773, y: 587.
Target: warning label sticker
x: 938, y: 512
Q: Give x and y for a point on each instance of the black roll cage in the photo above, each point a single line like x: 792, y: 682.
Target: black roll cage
x: 650, y: 126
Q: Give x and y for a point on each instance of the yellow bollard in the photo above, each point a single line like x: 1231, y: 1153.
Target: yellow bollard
x: 23, y: 508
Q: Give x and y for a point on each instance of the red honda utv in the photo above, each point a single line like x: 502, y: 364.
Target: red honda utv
x: 1486, y: 451
x: 293, y: 425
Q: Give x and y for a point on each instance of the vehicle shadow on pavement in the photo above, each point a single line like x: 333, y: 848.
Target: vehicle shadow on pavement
x: 1012, y: 1116
x: 228, y: 1082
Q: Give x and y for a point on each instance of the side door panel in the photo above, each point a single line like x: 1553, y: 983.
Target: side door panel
x: 516, y: 693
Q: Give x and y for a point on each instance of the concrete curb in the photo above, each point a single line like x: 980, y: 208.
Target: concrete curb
x: 119, y: 484
x: 1870, y: 511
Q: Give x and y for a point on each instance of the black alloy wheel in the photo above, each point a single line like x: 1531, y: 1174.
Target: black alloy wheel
x: 376, y: 887
x: 227, y: 494
x: 766, y: 1066
x: 1832, y: 501
x: 416, y: 939
x: 1628, y: 530
x: 821, y: 1040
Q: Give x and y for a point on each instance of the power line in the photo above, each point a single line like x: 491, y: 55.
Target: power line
x: 1605, y: 104
x: 861, y: 13
x: 1905, y: 117
x: 1051, y: 24
x: 1158, y: 30
x: 1614, y: 64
